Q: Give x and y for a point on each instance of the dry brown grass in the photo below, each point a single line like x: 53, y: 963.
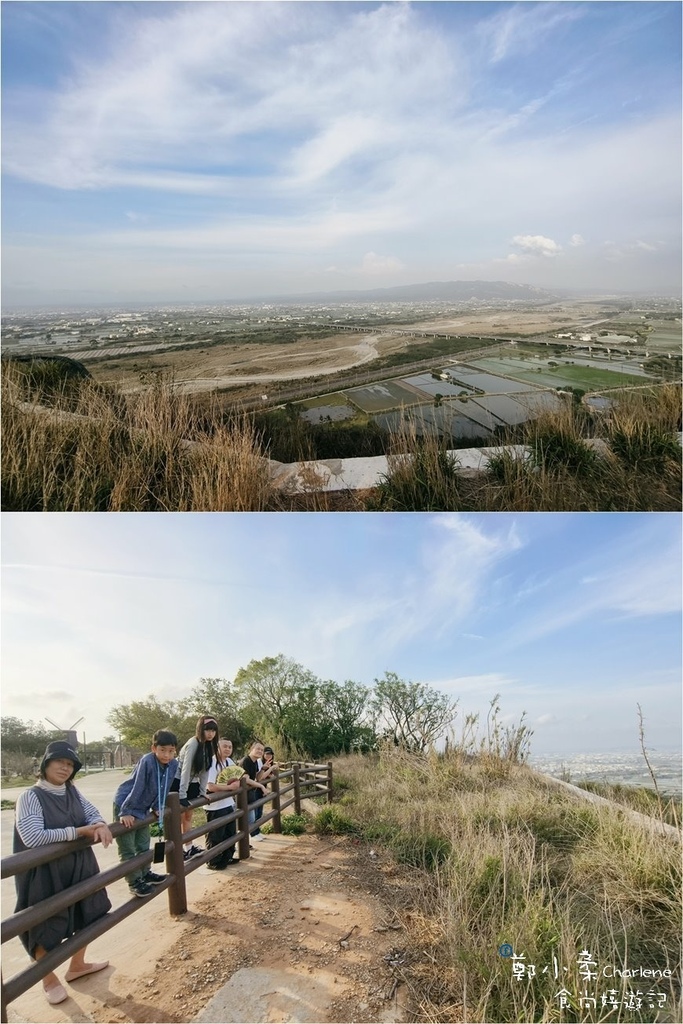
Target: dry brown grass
x: 90, y: 448
x: 95, y: 450
x: 506, y: 858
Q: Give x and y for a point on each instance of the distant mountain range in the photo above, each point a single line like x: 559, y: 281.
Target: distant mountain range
x: 433, y: 291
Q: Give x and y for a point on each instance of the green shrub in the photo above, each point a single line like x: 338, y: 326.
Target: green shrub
x: 427, y: 481
x: 332, y: 820
x: 644, y: 446
x: 558, y: 449
x: 294, y: 824
x: 428, y: 851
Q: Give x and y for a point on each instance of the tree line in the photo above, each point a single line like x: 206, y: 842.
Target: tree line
x: 299, y: 714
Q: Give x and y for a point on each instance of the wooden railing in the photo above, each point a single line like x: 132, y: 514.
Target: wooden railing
x: 288, y: 787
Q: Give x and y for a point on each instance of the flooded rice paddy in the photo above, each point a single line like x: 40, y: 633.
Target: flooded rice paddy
x: 474, y: 399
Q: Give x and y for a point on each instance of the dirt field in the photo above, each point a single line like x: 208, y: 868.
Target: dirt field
x: 234, y: 366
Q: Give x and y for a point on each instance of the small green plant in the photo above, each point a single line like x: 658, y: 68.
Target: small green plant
x: 427, y: 851
x: 644, y: 446
x: 294, y: 824
x: 559, y: 449
x: 332, y: 820
x: 503, y: 466
x: 7, y: 805
x: 426, y: 480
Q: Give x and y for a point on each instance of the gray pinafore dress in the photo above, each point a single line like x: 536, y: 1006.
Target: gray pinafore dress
x: 50, y: 879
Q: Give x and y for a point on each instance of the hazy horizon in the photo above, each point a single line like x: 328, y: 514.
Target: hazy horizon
x: 315, y: 298
x: 208, y: 151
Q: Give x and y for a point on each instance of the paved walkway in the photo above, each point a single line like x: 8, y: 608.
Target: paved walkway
x: 133, y: 947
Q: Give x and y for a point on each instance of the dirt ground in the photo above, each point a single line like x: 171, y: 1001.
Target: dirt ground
x: 308, y: 929
x: 205, y: 369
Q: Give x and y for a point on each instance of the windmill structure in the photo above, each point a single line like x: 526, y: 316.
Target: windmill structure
x: 69, y: 734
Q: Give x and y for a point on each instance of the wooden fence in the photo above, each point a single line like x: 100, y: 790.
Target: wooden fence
x: 288, y: 787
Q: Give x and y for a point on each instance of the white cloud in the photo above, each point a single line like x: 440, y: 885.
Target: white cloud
x: 616, y: 252
x: 519, y: 28
x: 278, y: 145
x: 648, y: 585
x: 514, y: 259
x: 577, y: 240
x: 485, y: 685
x: 537, y: 244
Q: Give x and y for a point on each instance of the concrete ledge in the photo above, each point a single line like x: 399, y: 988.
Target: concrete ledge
x: 362, y: 474
x: 644, y: 820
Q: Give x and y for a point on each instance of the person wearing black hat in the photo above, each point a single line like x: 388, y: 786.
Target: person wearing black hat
x: 54, y: 811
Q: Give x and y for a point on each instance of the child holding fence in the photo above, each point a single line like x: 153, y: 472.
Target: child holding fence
x: 144, y: 791
x: 219, y: 783
x: 192, y: 773
x: 252, y: 764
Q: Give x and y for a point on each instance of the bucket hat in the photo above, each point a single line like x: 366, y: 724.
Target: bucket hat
x: 60, y: 749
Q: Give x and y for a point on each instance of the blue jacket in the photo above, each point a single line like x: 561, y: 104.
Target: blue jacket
x: 139, y: 793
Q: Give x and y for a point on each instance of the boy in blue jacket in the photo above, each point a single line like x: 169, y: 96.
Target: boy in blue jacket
x: 143, y: 791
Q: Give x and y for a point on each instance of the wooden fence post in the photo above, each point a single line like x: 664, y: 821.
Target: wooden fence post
x: 329, y: 782
x: 243, y: 821
x: 297, y: 790
x: 175, y: 862
x: 277, y: 820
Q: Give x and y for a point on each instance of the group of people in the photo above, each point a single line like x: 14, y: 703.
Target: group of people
x: 54, y: 811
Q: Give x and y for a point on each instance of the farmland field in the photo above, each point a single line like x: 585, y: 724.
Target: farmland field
x: 427, y: 417
x: 590, y: 378
x: 425, y: 382
x: 472, y: 376
x: 666, y: 336
x: 384, y: 395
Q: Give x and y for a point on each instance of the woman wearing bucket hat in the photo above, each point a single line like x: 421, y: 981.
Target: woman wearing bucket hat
x: 54, y: 811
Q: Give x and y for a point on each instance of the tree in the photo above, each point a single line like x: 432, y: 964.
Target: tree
x: 218, y: 697
x: 268, y: 689
x: 346, y: 709
x: 22, y: 742
x: 137, y: 722
x: 414, y: 714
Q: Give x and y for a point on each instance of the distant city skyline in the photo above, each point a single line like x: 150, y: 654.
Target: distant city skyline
x: 225, y: 151
x: 573, y: 618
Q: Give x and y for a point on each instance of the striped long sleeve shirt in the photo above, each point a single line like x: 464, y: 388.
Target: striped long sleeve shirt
x: 31, y: 824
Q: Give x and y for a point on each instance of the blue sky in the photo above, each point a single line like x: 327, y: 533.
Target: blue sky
x: 208, y: 151
x: 573, y: 618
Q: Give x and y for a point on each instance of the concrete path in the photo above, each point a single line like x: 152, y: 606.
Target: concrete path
x: 132, y: 947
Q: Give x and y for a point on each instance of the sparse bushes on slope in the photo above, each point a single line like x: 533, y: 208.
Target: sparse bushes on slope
x: 513, y: 861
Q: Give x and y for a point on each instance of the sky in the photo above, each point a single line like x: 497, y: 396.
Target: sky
x: 572, y: 618
x: 189, y: 152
